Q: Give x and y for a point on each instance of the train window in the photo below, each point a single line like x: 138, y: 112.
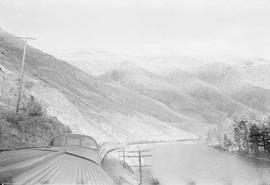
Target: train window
x: 73, y: 141
x: 59, y: 141
x: 88, y: 142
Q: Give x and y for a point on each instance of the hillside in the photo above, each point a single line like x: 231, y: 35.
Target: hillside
x: 105, y: 111
x: 205, y: 93
x: 245, y: 82
x: 181, y: 92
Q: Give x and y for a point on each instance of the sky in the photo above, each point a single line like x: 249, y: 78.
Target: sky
x: 203, y: 28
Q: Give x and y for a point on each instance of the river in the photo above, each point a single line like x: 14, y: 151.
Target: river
x: 178, y: 163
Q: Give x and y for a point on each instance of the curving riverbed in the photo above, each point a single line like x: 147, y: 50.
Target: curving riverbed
x: 177, y: 163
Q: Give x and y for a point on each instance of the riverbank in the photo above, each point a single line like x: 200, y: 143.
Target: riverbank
x: 261, y: 156
x: 165, y: 141
x: 124, y: 174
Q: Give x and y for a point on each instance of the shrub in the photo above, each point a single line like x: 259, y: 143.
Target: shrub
x: 191, y: 183
x: 33, y: 108
x: 252, y: 135
x: 12, y: 117
x: 155, y: 181
x: 28, y: 84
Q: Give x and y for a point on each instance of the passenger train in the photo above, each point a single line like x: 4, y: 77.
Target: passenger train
x: 68, y: 159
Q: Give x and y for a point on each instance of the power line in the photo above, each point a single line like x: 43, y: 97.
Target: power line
x: 140, y: 155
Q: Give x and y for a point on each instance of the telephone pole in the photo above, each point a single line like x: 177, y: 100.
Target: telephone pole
x: 124, y: 157
x: 22, y: 71
x: 140, y: 155
x: 140, y: 166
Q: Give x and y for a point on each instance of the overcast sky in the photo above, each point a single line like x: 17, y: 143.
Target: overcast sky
x: 143, y: 27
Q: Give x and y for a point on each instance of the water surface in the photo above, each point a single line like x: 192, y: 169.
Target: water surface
x: 177, y: 163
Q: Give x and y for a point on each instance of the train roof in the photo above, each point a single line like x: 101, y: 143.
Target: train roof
x: 65, y: 164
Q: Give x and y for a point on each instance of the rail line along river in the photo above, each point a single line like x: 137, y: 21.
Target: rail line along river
x: 178, y: 163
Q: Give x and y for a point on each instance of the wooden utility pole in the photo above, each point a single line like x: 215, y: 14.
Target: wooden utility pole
x: 140, y: 166
x: 1, y: 141
x: 124, y: 157
x: 22, y: 72
x: 139, y: 154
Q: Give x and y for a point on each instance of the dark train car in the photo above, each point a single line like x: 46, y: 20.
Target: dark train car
x: 69, y: 159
